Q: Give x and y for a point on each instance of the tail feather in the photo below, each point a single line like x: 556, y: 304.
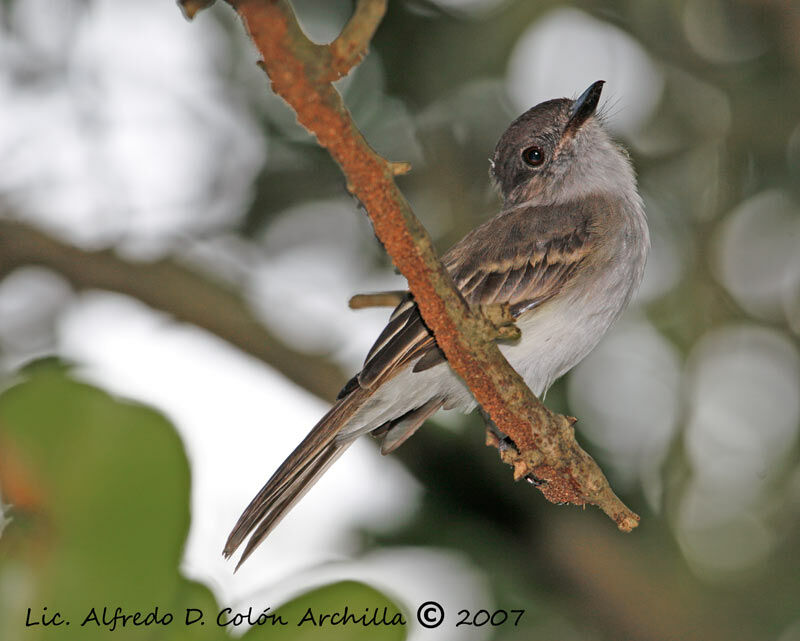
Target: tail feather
x: 295, y: 476
x: 292, y: 495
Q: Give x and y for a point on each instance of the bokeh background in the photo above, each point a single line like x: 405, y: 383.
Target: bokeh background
x: 176, y: 256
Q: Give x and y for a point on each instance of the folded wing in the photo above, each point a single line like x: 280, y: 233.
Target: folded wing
x: 524, y: 260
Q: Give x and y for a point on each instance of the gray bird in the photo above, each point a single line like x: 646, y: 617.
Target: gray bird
x: 566, y: 252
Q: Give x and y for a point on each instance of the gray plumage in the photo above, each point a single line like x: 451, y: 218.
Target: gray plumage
x: 567, y: 251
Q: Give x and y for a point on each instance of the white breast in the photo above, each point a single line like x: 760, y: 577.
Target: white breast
x: 559, y: 335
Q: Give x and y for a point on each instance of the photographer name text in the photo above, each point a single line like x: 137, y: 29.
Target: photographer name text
x: 113, y: 619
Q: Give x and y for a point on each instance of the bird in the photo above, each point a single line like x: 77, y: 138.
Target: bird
x: 566, y: 252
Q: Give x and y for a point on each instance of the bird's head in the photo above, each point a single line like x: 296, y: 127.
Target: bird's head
x: 557, y: 151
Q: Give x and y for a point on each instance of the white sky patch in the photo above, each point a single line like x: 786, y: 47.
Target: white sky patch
x: 627, y: 393
x: 565, y: 51
x: 118, y: 131
x: 743, y: 421
x: 744, y: 409
x: 756, y: 254
x: 311, y: 264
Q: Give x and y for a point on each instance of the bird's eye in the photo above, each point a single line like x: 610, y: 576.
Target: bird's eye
x: 533, y: 156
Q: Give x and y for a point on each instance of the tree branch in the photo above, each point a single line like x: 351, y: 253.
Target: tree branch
x: 378, y: 299
x: 545, y: 441
x: 171, y: 288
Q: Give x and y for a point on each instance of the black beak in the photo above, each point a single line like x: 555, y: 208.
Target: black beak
x: 584, y: 106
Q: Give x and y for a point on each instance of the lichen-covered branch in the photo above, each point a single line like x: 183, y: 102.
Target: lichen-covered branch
x: 301, y: 73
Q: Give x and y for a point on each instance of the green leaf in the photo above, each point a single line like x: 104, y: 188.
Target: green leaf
x: 99, y: 489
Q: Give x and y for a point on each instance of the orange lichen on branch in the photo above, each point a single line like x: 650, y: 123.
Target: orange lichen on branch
x: 301, y: 73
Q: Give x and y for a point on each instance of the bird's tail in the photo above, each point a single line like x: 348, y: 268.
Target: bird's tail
x: 295, y: 476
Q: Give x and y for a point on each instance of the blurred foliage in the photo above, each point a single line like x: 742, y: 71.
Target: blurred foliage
x: 100, y: 491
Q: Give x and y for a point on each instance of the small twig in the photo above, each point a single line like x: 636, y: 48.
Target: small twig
x: 191, y: 7
x: 499, y: 320
x: 378, y: 299
x: 351, y: 45
x: 399, y: 168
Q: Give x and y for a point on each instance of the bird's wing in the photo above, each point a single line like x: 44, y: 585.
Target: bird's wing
x: 523, y: 257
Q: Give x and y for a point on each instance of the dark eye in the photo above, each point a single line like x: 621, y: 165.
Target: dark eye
x: 533, y: 156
